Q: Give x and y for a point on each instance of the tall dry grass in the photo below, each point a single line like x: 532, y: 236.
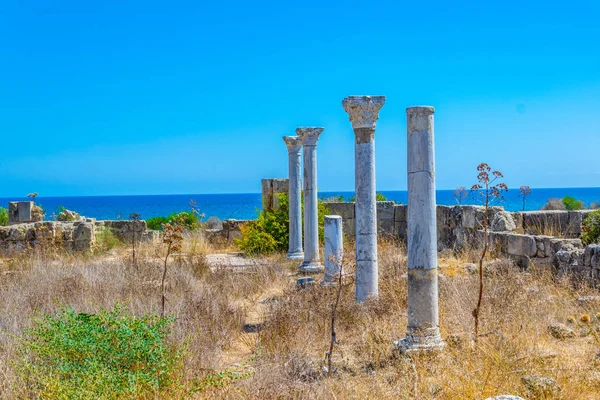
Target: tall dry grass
x: 255, y: 318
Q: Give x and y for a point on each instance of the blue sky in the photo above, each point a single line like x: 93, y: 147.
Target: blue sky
x: 193, y: 97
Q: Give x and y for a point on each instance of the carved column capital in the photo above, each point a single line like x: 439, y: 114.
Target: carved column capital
x: 293, y: 143
x: 363, y: 110
x: 309, y: 135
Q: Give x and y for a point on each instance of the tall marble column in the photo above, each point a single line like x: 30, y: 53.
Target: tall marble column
x: 423, y: 331
x: 334, y: 250
x: 312, y: 261
x: 294, y: 146
x: 364, y: 112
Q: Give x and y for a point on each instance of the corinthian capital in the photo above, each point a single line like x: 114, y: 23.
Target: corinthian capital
x: 363, y: 110
x: 309, y: 135
x: 293, y: 143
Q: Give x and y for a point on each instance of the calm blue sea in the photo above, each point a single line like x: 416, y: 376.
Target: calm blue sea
x: 246, y: 205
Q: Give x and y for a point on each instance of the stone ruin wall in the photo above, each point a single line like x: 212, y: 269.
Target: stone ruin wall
x: 71, y: 236
x: 522, y: 236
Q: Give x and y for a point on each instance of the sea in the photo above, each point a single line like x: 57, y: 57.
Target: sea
x: 248, y: 205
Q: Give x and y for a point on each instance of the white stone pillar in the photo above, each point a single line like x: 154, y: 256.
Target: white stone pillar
x: 312, y: 261
x: 423, y: 331
x: 294, y: 146
x: 364, y: 112
x: 334, y: 250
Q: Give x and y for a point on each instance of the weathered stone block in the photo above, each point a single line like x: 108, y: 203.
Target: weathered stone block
x: 343, y: 209
x: 503, y: 222
x: 385, y: 217
x: 400, y: 212
x: 267, y: 194
x: 521, y: 245
x: 546, y: 222
x: 590, y: 251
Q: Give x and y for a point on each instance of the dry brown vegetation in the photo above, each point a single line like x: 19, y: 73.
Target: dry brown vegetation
x: 254, y: 324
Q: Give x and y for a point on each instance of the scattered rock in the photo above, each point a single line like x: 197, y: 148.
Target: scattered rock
x: 305, y: 282
x: 214, y: 223
x: 541, y: 386
x: 471, y: 268
x: 560, y: 331
x: 68, y: 216
x: 588, y: 299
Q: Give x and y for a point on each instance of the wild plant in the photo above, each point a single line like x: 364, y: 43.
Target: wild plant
x: 173, y: 239
x: 460, y: 194
x: 488, y: 192
x: 134, y: 218
x: 525, y: 192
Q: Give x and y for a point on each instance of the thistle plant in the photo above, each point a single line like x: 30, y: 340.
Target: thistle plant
x: 488, y: 190
x: 134, y: 217
x: 173, y: 239
x: 525, y: 192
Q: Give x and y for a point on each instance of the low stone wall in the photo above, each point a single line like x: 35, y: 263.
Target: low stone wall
x: 519, y: 235
x: 583, y: 261
x: 71, y: 236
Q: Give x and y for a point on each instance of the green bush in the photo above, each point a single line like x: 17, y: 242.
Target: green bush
x: 156, y: 223
x: 270, y: 232
x: 108, y: 355
x: 380, y: 197
x: 591, y: 228
x: 3, y: 216
x: 186, y: 219
x: 106, y: 239
x: 572, y: 203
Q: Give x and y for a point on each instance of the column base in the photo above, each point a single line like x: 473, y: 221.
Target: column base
x: 427, y: 341
x: 311, y: 267
x: 299, y: 255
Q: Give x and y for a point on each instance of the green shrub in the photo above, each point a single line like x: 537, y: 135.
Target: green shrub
x: 380, y: 197
x: 3, y: 216
x: 107, y: 355
x: 106, y: 239
x: 156, y: 223
x: 591, y: 228
x: 572, y: 203
x: 270, y: 232
x: 186, y: 219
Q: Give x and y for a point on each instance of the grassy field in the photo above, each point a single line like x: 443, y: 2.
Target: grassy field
x: 248, y: 332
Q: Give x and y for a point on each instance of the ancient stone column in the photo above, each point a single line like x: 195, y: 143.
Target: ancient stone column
x: 334, y: 250
x: 294, y: 146
x: 312, y: 262
x: 364, y: 112
x: 423, y: 325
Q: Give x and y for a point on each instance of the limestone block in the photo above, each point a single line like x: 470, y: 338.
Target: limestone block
x: 83, y: 231
x: 13, y: 212
x: 349, y: 227
x: 503, y: 222
x: 472, y: 216
x: 590, y: 251
x: 150, y: 237
x: 576, y: 219
x: 521, y: 245
x: 545, y: 222
x: 518, y: 218
x: 25, y: 209
x: 18, y: 233
x: 267, y: 194
x: 400, y: 229
x: 400, y: 212
x: 280, y: 186
x: 385, y: 217
x: 343, y: 209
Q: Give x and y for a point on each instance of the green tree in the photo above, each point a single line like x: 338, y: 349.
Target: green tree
x: 572, y: 203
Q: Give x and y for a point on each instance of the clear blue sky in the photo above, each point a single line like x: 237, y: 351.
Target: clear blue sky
x: 145, y: 97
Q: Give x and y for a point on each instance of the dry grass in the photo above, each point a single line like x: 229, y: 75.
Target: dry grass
x: 286, y: 355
